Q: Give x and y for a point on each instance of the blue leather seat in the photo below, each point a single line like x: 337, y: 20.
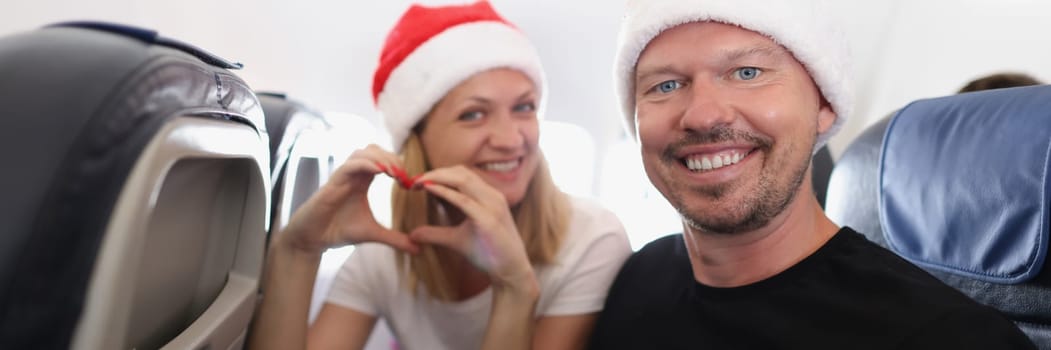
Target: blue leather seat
x: 135, y: 199
x: 961, y: 186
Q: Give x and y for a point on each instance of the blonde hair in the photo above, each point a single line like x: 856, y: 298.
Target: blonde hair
x: 542, y: 218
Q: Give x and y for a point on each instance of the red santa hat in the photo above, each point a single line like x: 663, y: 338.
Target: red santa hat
x: 432, y: 49
x: 807, y: 28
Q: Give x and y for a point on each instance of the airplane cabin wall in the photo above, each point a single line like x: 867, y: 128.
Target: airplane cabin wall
x: 323, y: 52
x: 907, y: 50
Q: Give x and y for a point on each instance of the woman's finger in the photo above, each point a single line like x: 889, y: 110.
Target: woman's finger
x: 476, y: 248
x: 384, y: 160
x: 471, y: 208
x: 455, y: 238
x: 465, y: 181
x: 396, y: 239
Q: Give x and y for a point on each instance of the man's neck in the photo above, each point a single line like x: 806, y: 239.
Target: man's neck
x: 734, y: 260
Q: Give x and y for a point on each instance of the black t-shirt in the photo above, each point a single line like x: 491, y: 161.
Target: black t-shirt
x: 850, y: 294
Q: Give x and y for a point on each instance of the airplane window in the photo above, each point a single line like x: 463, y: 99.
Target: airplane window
x: 625, y: 189
x: 570, y: 152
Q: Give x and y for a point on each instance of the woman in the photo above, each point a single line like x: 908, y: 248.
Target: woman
x: 484, y: 252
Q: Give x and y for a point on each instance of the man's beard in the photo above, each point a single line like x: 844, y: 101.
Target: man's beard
x: 762, y: 203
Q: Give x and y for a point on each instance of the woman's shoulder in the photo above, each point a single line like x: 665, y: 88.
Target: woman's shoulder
x: 591, y: 222
x: 589, y: 212
x: 372, y: 252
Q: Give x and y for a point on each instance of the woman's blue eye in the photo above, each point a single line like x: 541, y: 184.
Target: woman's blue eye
x: 524, y: 107
x: 470, y: 116
x: 668, y: 86
x: 747, y: 73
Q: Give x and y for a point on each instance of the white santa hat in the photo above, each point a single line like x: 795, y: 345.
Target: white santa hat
x: 432, y: 49
x: 806, y: 28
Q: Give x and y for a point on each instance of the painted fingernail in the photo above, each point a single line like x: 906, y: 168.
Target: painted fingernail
x: 399, y: 177
x: 414, y: 182
x: 381, y: 166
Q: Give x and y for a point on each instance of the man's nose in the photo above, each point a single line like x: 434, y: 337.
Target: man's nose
x: 706, y: 108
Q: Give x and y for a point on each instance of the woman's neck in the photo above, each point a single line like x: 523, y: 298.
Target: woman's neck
x: 468, y: 280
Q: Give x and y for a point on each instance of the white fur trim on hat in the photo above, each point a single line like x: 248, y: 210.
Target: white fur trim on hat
x: 446, y: 60
x: 804, y: 27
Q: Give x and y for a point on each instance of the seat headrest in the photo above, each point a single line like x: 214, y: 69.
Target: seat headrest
x: 965, y: 183
x: 151, y: 37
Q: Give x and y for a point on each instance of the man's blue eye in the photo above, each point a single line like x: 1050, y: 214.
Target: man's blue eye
x: 668, y: 86
x: 747, y: 73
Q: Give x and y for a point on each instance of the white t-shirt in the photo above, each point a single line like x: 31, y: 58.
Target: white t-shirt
x: 594, y: 249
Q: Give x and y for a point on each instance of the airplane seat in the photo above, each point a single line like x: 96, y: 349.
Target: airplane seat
x: 961, y: 186
x: 303, y: 158
x: 850, y: 199
x: 821, y: 169
x: 300, y: 154
x: 134, y: 195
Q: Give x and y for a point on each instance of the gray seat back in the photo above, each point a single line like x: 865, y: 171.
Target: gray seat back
x: 135, y: 216
x: 821, y: 170
x: 301, y: 154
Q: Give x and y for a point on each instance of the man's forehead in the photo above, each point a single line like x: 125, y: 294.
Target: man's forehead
x: 729, y: 40
x: 719, y: 51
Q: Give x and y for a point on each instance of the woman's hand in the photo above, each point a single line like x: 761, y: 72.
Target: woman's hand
x: 488, y: 236
x: 339, y: 213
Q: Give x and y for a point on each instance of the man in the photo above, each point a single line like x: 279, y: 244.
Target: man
x: 728, y: 100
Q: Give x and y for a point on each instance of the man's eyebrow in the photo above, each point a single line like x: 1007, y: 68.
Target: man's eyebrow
x: 767, y: 51
x: 657, y: 70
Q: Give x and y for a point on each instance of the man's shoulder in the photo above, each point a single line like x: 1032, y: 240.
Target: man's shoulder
x: 664, y: 251
x: 969, y: 327
x: 868, y: 267
x: 911, y: 297
x: 660, y: 264
x: 663, y: 245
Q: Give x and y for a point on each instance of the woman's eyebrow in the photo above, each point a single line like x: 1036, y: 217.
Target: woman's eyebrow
x: 480, y: 99
x: 525, y: 94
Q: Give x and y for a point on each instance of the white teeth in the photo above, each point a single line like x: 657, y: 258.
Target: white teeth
x: 703, y: 163
x: 500, y: 166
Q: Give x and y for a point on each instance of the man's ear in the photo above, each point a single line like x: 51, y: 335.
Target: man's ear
x: 825, y: 117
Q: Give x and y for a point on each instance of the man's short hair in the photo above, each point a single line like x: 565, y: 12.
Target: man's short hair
x: 999, y: 81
